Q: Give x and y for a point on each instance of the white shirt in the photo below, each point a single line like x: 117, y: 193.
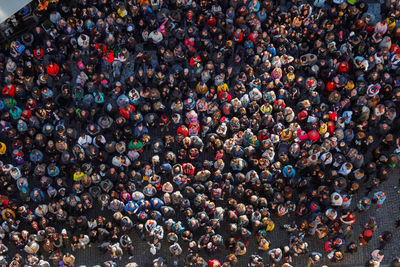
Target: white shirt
x: 85, y: 141
x: 376, y: 256
x: 84, y: 43
x: 156, y: 36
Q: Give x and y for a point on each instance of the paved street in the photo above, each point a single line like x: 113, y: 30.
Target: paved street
x: 386, y: 216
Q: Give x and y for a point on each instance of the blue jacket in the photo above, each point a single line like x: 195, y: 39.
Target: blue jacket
x: 288, y: 174
x: 131, y: 207
x: 156, y: 203
x: 39, y: 197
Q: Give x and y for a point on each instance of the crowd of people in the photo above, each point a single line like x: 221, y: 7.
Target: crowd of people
x: 198, y: 125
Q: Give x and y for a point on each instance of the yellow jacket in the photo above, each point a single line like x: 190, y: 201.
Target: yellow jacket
x: 391, y: 22
x: 222, y: 88
x: 270, y: 227
x: 77, y: 177
x: 3, y: 148
x: 264, y: 244
x: 201, y: 89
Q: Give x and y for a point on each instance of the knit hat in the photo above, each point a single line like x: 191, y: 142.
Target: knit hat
x: 302, y: 116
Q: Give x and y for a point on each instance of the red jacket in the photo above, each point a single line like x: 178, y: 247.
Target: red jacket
x: 102, y: 47
x: 333, y: 116
x: 26, y: 114
x: 188, y: 169
x: 313, y: 135
x: 30, y: 106
x: 302, y: 135
x: 394, y: 49
x: 211, y: 22
x: 302, y: 115
x: 227, y: 97
x: 126, y: 111
x: 182, y: 130
x: 9, y: 90
x: 38, y: 53
x: 253, y: 38
x: 330, y: 87
x: 343, y: 67
x: 238, y: 37
x: 194, y: 61
x: 109, y: 56
x: 52, y: 70
x: 189, y: 42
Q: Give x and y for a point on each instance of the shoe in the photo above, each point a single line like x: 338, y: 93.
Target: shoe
x: 379, y: 205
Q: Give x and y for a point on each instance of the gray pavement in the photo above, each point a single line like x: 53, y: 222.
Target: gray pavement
x: 386, y: 216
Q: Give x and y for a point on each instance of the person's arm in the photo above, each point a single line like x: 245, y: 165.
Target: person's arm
x: 279, y: 257
x: 343, y: 219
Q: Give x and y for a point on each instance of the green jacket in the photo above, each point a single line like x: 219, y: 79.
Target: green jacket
x: 10, y: 103
x: 138, y: 146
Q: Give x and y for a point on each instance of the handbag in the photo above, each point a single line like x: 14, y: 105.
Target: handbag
x: 153, y: 250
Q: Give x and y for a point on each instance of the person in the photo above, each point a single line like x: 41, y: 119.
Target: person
x: 380, y: 198
x: 377, y: 255
x: 395, y: 262
x: 365, y: 237
x: 384, y: 239
x: 314, y: 258
x: 364, y: 204
x: 275, y: 255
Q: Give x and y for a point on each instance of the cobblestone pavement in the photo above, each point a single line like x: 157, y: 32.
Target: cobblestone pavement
x: 385, y: 215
